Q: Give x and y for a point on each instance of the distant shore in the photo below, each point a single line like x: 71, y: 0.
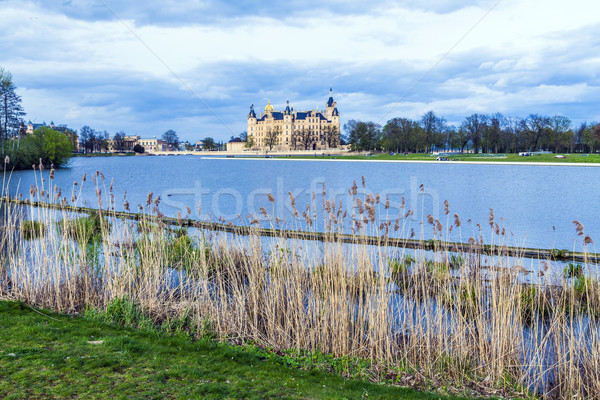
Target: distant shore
x: 534, y: 163
x: 512, y: 159
x: 546, y: 159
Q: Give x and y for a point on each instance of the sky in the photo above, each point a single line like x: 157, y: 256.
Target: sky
x: 196, y: 66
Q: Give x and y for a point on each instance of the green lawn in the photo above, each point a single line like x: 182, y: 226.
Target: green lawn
x: 45, y: 355
x: 569, y: 158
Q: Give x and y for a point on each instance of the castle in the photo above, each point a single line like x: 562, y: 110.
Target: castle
x: 294, y: 130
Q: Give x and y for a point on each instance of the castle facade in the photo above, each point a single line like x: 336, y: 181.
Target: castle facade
x: 294, y: 130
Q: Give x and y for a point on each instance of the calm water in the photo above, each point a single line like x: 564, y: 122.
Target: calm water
x: 537, y: 204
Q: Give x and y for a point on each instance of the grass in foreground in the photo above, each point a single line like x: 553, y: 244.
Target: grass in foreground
x: 46, y: 355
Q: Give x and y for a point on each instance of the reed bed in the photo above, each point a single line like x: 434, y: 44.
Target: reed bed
x: 472, y: 321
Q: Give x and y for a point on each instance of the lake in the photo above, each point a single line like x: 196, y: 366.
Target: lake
x: 536, y: 204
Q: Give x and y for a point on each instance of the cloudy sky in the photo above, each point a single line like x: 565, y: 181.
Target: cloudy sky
x: 195, y: 66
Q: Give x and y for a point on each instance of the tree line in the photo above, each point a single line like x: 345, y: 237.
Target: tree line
x: 94, y: 141
x: 11, y: 110
x: 488, y: 133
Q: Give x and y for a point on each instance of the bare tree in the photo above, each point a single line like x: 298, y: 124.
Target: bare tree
x: 103, y: 139
x: 474, y: 126
x: 433, y: 127
x: 303, y: 137
x: 536, y: 127
x: 170, y: 137
x: 119, y: 141
x: 492, y: 133
x: 272, y: 137
x: 332, y: 136
x: 11, y: 111
x: 249, y: 142
x: 89, y: 139
x: 561, y: 134
x: 510, y: 127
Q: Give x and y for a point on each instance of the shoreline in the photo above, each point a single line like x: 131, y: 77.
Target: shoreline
x: 346, y: 158
x: 524, y: 163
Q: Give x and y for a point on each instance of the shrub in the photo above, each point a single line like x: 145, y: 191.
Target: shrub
x: 53, y: 148
x: 456, y: 261
x: 85, y: 229
x: 534, y: 303
x: 572, y: 270
x: 402, y: 265
x: 33, y: 229
x: 182, y: 251
x: 582, y: 285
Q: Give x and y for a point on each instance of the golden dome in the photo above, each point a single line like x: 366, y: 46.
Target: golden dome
x: 269, y: 107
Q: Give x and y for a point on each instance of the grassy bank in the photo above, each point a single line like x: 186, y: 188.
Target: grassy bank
x: 46, y: 355
x: 543, y: 158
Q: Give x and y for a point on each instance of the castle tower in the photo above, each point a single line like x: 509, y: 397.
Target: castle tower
x: 269, y: 108
x: 333, y: 115
x: 252, y: 114
x: 330, y: 106
x: 252, y: 125
x: 288, y: 125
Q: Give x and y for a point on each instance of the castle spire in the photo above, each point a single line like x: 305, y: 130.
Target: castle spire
x: 287, y: 110
x: 330, y: 102
x: 269, y: 107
